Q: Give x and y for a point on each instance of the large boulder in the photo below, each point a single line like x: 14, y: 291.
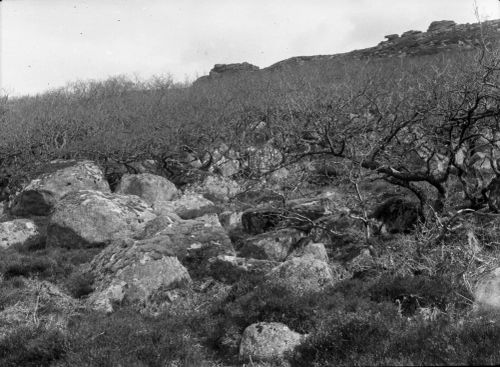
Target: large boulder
x: 301, y: 275
x: 22, y: 232
x: 151, y: 188
x: 188, y: 206
x: 194, y: 241
x: 92, y: 218
x: 268, y: 341
x: 57, y: 179
x: 135, y: 272
x: 273, y: 246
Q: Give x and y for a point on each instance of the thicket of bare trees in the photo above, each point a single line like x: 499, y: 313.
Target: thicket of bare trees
x: 429, y: 124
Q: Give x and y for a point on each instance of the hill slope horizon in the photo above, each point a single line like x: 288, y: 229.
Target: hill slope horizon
x: 441, y: 36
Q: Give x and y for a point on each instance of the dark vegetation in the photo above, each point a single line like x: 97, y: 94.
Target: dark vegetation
x: 425, y: 125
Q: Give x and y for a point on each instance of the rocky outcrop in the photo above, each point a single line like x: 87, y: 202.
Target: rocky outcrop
x: 22, y: 232
x: 220, y: 69
x: 441, y: 25
x: 57, y: 179
x: 93, y: 218
x: 151, y: 188
x: 134, y: 272
x: 268, y: 341
x: 441, y: 36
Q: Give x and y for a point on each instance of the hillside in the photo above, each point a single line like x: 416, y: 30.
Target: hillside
x: 441, y: 36
x: 326, y: 210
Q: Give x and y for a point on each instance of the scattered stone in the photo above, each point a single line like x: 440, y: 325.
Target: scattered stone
x: 273, y: 246
x: 93, y: 218
x: 151, y: 188
x: 22, y: 232
x: 301, y: 275
x: 57, y: 179
x: 133, y: 272
x: 268, y: 341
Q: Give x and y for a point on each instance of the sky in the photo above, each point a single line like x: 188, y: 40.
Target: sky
x: 45, y: 44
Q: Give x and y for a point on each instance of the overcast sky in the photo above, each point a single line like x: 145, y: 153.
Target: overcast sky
x: 47, y: 43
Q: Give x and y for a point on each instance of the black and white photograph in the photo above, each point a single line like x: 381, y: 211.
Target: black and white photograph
x: 249, y: 183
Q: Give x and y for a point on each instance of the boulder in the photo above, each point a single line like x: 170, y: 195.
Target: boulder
x: 216, y: 188
x: 268, y: 341
x: 230, y: 269
x: 314, y: 250
x: 151, y: 188
x: 22, y: 232
x: 57, y: 179
x: 134, y: 272
x: 263, y: 159
x: 193, y: 241
x: 273, y: 246
x: 487, y: 291
x: 230, y: 220
x: 93, y: 218
x: 301, y: 275
x: 224, y: 161
x: 188, y: 206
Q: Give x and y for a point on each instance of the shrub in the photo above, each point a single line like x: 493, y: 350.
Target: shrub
x: 31, y: 347
x: 79, y: 284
